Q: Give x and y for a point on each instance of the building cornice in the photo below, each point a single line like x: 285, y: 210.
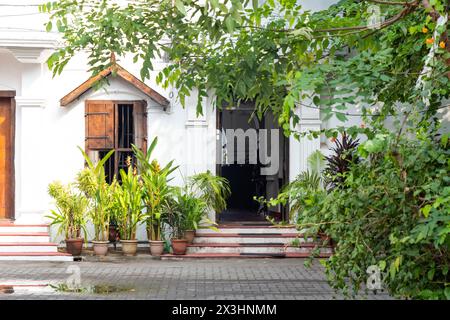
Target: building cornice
x: 25, y: 102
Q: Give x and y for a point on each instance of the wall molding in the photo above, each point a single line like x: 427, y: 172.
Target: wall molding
x: 25, y: 102
x: 196, y: 124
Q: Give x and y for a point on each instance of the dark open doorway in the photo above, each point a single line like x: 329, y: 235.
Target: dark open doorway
x: 249, y: 178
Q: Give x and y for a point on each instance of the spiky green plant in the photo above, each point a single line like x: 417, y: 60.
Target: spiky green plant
x: 344, y: 155
x: 128, y: 204
x: 71, y: 210
x: 214, y: 190
x: 92, y: 182
x: 156, y: 190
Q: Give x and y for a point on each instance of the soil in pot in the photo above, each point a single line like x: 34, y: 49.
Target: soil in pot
x: 74, y: 246
x: 179, y: 246
x: 189, y: 235
x: 100, y: 248
x: 129, y: 247
x: 156, y: 248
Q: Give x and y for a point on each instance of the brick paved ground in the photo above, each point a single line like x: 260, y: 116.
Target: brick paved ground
x: 185, y: 279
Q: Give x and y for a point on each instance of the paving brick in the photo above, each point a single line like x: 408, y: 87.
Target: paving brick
x: 188, y: 279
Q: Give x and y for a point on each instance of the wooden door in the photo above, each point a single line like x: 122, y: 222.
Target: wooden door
x: 7, y: 115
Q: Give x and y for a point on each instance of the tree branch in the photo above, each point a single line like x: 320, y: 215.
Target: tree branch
x: 394, y: 3
x: 409, y: 7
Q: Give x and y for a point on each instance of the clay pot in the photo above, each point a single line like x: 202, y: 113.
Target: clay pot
x: 100, y: 248
x: 179, y: 246
x: 74, y: 246
x: 129, y: 247
x: 189, y: 235
x: 156, y: 248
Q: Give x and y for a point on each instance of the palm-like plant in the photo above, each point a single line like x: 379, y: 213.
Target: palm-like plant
x: 213, y: 190
x: 92, y: 182
x: 193, y: 209
x: 128, y: 204
x: 156, y: 190
x: 70, y: 215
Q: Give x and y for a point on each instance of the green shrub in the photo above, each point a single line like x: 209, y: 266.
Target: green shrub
x: 393, y: 212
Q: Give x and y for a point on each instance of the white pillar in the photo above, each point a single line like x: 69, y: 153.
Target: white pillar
x: 301, y: 149
x: 31, y: 199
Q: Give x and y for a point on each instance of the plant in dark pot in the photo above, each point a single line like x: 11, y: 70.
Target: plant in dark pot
x: 128, y: 208
x: 177, y: 220
x: 156, y: 192
x: 92, y: 182
x: 194, y: 211
x: 70, y: 215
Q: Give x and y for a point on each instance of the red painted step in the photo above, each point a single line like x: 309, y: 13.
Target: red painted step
x: 239, y: 255
x: 9, y: 224
x: 33, y: 254
x: 25, y: 244
x: 251, y: 235
x: 21, y: 234
x: 276, y: 245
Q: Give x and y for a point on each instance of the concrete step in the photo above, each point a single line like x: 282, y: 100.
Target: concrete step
x: 238, y: 256
x: 254, y: 248
x: 245, y: 230
x: 23, y: 228
x: 281, y: 238
x: 28, y: 247
x: 35, y: 256
x: 27, y: 237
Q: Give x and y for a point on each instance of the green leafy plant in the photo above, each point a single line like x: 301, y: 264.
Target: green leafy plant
x: 176, y: 217
x: 392, y: 212
x: 193, y: 209
x: 92, y: 182
x: 156, y: 190
x: 214, y: 190
x: 344, y: 154
x: 71, y: 210
x: 128, y: 203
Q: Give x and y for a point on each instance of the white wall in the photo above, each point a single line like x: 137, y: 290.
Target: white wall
x: 47, y: 135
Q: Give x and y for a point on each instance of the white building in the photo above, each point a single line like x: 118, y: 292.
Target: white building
x: 43, y: 120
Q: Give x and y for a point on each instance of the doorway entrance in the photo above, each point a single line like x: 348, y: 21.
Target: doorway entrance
x: 254, y: 157
x: 7, y: 125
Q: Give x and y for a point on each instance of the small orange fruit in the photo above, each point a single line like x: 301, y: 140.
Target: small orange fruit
x: 442, y: 44
x: 424, y: 30
x: 429, y: 41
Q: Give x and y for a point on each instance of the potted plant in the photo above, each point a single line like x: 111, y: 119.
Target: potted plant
x: 176, y: 218
x: 128, y: 208
x: 212, y: 190
x: 156, y: 192
x: 92, y: 182
x: 194, y: 211
x: 70, y: 215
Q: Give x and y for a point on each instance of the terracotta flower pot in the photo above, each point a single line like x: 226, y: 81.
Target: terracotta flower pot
x: 156, y: 247
x: 74, y: 246
x: 129, y: 247
x: 179, y: 246
x: 189, y: 235
x: 100, y: 248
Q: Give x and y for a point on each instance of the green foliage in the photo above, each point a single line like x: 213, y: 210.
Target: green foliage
x: 213, y: 190
x: 71, y: 211
x: 128, y: 203
x: 344, y: 155
x: 276, y: 53
x: 394, y: 212
x: 192, y: 211
x: 91, y: 181
x: 155, y: 189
